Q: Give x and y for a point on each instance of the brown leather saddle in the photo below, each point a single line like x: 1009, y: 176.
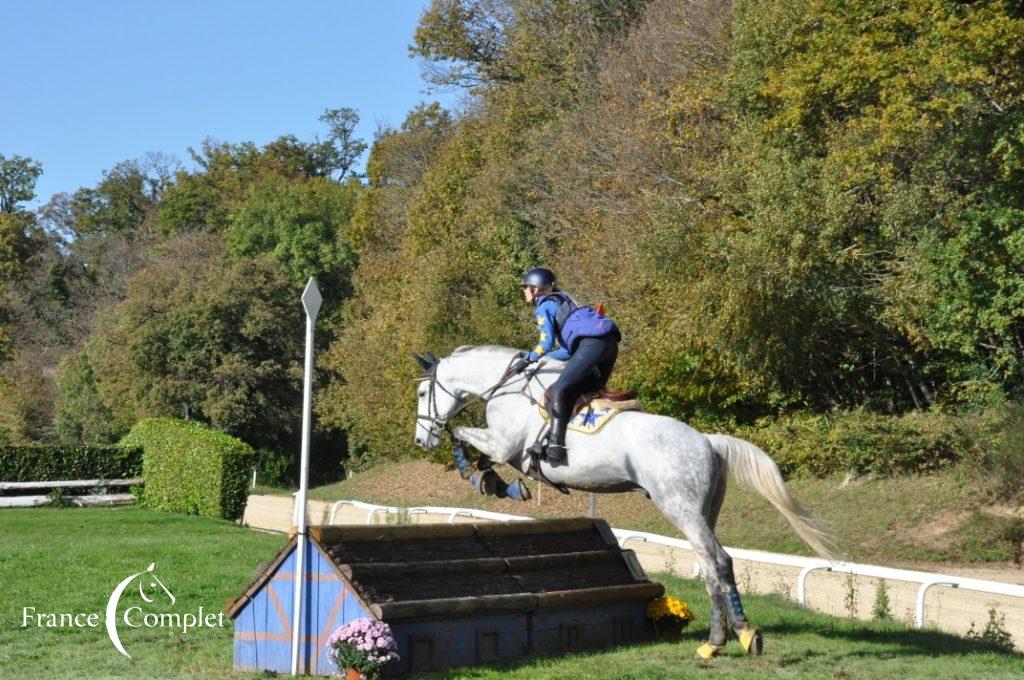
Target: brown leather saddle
x: 584, y: 399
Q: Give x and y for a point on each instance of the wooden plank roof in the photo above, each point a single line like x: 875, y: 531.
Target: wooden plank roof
x: 458, y: 569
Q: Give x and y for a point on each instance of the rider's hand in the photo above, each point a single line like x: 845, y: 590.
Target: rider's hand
x: 518, y: 366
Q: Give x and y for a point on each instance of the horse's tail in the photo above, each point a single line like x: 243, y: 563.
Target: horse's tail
x: 754, y: 469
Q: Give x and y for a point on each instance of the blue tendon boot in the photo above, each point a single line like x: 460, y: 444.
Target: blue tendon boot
x: 461, y: 460
x: 486, y: 482
x: 518, y: 491
x: 750, y: 637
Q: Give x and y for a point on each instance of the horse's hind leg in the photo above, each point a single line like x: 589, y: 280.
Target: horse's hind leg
x: 716, y: 566
x: 719, y: 629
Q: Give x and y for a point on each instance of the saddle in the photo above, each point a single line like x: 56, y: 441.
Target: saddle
x: 621, y: 400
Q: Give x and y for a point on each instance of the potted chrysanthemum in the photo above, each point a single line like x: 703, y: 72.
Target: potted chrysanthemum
x: 360, y: 648
x: 669, y: 616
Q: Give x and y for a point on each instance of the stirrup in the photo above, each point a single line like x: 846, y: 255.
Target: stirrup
x: 556, y: 453
x: 537, y: 449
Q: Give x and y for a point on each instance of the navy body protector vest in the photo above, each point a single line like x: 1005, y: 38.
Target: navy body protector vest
x: 573, y: 321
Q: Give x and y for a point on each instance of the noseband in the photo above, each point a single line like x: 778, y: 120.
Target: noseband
x: 439, y: 423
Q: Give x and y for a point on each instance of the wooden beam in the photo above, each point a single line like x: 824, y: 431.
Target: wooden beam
x: 68, y: 484
x: 327, y: 535
x: 603, y: 595
x: 340, y: 533
x: 478, y: 565
x: 92, y: 500
x: 456, y: 606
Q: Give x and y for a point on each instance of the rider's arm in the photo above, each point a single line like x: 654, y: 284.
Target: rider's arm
x: 545, y: 318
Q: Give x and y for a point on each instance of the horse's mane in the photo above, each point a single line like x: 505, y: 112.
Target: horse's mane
x: 482, y: 348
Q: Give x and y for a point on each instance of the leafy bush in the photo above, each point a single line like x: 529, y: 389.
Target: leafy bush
x: 861, y: 442
x: 190, y: 468
x: 985, y: 537
x: 1004, y: 460
x: 53, y: 463
x: 275, y: 469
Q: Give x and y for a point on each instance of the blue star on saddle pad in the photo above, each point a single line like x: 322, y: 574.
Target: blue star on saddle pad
x: 590, y: 420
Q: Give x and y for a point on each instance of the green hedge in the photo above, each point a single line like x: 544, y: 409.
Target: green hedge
x: 863, y: 443
x: 54, y: 463
x: 190, y: 468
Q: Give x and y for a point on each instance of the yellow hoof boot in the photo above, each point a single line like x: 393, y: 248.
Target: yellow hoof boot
x: 750, y: 641
x: 709, y: 651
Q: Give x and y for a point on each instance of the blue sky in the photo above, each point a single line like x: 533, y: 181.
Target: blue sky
x: 87, y: 85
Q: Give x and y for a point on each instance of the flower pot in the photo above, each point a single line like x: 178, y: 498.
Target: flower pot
x: 668, y: 630
x: 353, y: 674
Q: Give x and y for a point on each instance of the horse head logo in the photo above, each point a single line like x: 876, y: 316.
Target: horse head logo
x: 149, y: 583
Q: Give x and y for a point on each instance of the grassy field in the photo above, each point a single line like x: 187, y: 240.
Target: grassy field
x: 898, y: 521
x: 70, y: 560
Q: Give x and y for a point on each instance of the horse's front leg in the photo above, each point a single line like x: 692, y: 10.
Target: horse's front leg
x: 484, y: 441
x: 487, y: 481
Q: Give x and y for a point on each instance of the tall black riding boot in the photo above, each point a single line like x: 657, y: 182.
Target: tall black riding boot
x: 561, y: 411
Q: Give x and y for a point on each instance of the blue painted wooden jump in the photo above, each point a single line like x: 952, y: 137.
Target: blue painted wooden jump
x: 454, y: 595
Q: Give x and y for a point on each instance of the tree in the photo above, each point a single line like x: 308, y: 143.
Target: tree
x: 202, y: 338
x: 343, y: 150
x: 301, y: 224
x: 122, y: 204
x: 18, y: 176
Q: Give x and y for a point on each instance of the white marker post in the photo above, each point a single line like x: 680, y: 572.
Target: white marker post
x: 311, y: 300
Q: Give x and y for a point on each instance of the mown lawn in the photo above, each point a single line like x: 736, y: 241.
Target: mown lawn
x: 70, y: 560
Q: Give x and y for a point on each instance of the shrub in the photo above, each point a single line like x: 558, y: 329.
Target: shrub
x: 985, y: 537
x: 54, y: 463
x: 1005, y: 459
x: 862, y: 442
x: 190, y: 468
x: 275, y: 469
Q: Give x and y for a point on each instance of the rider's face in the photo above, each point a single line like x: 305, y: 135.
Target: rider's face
x: 531, y: 293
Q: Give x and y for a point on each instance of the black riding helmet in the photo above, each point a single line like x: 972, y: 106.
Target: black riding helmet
x: 538, y: 276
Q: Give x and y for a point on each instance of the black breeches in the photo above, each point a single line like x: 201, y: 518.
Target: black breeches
x: 588, y: 370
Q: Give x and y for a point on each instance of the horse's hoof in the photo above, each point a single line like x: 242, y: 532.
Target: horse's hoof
x: 751, y: 641
x: 709, y: 651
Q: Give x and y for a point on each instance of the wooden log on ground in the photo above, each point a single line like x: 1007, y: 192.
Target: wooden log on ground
x: 24, y: 501
x: 106, y: 499
x: 69, y: 484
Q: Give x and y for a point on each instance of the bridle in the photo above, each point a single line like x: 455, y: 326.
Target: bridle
x: 439, y: 423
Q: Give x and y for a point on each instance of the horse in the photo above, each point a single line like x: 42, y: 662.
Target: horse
x: 682, y: 470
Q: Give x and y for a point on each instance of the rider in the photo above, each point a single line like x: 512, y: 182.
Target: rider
x: 585, y: 338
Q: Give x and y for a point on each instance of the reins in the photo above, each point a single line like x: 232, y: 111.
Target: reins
x: 439, y: 423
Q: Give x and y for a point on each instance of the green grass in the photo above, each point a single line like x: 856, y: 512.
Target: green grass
x: 70, y: 560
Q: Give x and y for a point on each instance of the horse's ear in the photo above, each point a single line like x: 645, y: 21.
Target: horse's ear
x: 424, y: 364
x: 432, y: 359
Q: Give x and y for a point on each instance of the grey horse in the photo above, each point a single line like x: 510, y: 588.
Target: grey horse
x: 683, y: 471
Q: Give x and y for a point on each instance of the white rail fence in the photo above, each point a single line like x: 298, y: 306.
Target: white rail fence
x: 925, y: 581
